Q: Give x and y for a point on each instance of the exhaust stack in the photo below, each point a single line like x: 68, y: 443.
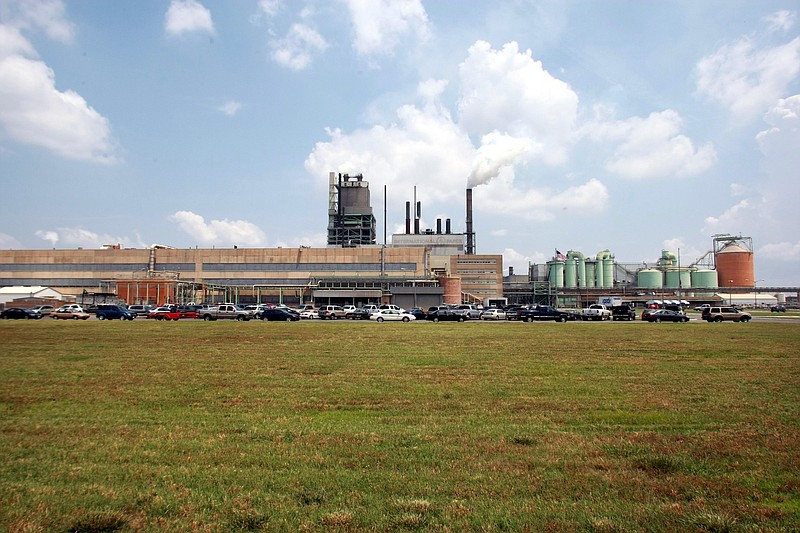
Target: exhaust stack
x: 470, y: 234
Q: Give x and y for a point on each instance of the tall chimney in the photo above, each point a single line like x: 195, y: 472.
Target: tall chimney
x: 438, y: 226
x: 408, y: 218
x: 417, y: 216
x: 470, y: 234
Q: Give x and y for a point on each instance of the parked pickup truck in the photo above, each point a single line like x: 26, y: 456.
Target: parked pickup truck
x: 596, y: 312
x: 623, y: 312
x: 542, y: 312
x: 224, y: 311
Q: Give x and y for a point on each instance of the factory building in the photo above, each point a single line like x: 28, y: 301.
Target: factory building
x: 417, y: 269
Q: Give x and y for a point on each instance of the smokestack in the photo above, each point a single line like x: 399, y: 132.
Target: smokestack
x: 408, y: 218
x: 447, y: 229
x: 438, y: 226
x: 417, y: 217
x: 470, y: 234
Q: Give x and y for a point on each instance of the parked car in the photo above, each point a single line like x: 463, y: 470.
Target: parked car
x: 493, y: 313
x: 278, y: 314
x: 140, y: 309
x: 17, y: 313
x: 392, y: 314
x: 720, y: 314
x: 358, y: 313
x: 453, y: 315
x: 647, y: 313
x: 623, y: 312
x: 667, y: 315
x: 701, y: 307
x: 69, y: 311
x: 308, y: 314
x: 471, y: 310
x: 391, y: 306
x: 111, y: 312
x: 43, y: 309
x: 542, y: 312
x: 165, y: 312
x: 331, y: 312
x: 778, y: 309
x: 304, y: 307
x: 349, y: 308
x: 418, y: 312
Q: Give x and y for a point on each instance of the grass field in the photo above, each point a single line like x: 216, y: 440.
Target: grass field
x: 363, y: 426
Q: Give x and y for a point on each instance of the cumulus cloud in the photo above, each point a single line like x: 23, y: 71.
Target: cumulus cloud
x: 83, y: 238
x: 653, y: 147
x: 425, y: 145
x: 219, y: 232
x: 781, y: 251
x: 507, y: 91
x: 230, y: 108
x: 45, y: 15
x: 381, y: 25
x: 747, y: 78
x: 8, y: 242
x: 186, y: 16
x: 33, y: 111
x: 297, y: 49
x: 781, y: 20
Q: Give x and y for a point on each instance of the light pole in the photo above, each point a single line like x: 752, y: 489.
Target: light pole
x: 730, y: 292
x: 755, y: 293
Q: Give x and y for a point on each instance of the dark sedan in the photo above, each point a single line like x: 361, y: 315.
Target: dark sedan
x: 665, y: 315
x: 279, y: 314
x: 17, y: 313
x: 453, y: 315
x: 358, y: 313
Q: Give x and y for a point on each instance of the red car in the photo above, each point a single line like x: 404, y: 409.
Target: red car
x: 165, y: 313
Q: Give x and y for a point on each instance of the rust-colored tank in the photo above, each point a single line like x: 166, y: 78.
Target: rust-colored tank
x: 735, y: 266
x: 452, y: 289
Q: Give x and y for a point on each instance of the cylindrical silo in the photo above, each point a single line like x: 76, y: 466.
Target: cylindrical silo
x: 704, y: 279
x: 735, y: 266
x: 570, y: 273
x: 452, y: 289
x: 608, y: 272
x: 555, y: 273
x: 650, y: 278
x: 591, y: 269
x: 677, y: 279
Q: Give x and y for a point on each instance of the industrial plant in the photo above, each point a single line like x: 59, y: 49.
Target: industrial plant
x: 420, y: 267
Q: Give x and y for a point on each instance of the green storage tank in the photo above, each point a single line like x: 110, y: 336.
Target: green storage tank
x: 591, y: 268
x: 570, y: 273
x: 650, y: 278
x: 555, y: 273
x: 703, y: 279
x: 675, y: 278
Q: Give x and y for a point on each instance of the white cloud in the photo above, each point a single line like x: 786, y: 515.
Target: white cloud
x: 781, y: 20
x: 33, y: 111
x: 297, y: 50
x: 781, y: 251
x: 230, y: 108
x: 8, y: 242
x: 748, y: 79
x: 185, y: 16
x: 653, y: 147
x: 46, y: 15
x: 507, y: 91
x: 83, y: 238
x: 502, y: 195
x: 219, y: 232
x: 381, y: 25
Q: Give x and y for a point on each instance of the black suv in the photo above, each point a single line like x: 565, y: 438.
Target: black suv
x: 110, y: 312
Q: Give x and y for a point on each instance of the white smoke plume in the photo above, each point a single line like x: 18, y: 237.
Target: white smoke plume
x: 498, y: 150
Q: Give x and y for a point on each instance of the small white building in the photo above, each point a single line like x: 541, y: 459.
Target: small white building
x: 9, y: 294
x: 748, y: 299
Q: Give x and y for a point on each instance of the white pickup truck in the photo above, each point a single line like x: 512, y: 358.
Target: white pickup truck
x: 596, y: 312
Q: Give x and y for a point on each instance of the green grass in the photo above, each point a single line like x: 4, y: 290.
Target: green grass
x: 361, y: 426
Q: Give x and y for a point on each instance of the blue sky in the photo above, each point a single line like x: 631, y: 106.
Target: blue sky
x: 587, y: 125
